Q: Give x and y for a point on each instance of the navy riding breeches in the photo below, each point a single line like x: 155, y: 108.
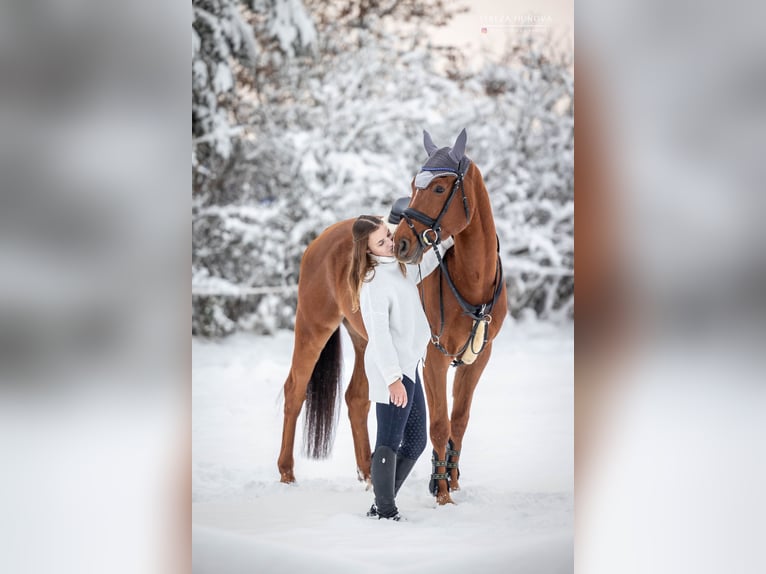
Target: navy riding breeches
x: 404, y: 429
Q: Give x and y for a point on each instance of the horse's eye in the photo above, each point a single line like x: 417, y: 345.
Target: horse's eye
x: 439, y: 189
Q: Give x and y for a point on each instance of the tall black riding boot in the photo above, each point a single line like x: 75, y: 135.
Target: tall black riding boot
x: 383, y: 476
x: 403, y: 468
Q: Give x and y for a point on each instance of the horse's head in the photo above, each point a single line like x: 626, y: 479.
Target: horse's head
x: 438, y: 207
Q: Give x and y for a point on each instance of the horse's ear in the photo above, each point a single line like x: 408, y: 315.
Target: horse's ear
x: 428, y: 143
x: 458, y: 150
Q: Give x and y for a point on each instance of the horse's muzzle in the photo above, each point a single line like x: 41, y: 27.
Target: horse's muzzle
x: 403, y: 254
x: 404, y: 246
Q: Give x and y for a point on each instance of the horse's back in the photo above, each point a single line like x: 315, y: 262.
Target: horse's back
x: 322, y: 290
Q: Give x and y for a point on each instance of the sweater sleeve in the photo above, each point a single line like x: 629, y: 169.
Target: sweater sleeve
x: 429, y: 263
x: 381, y: 353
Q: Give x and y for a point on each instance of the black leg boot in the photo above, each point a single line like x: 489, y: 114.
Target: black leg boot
x: 403, y: 468
x: 383, y: 477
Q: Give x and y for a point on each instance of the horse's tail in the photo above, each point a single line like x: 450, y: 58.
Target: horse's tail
x: 323, y: 398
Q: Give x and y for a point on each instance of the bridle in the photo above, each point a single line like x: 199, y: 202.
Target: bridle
x: 434, y: 225
x: 478, y: 313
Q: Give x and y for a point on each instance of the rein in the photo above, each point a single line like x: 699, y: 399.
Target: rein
x: 478, y: 313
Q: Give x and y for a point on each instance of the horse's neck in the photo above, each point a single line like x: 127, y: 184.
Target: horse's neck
x: 476, y: 255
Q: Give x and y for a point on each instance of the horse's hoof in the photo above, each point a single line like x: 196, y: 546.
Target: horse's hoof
x: 363, y: 477
x: 287, y: 478
x: 444, y: 498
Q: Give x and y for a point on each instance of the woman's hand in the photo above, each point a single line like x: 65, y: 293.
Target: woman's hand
x: 398, y: 394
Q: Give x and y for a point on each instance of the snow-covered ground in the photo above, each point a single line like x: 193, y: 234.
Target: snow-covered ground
x: 514, y: 512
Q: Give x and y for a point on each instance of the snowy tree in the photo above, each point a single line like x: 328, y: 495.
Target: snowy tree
x: 341, y: 20
x: 220, y: 37
x: 343, y: 146
x: 337, y: 132
x: 230, y: 42
x: 227, y: 38
x: 532, y: 92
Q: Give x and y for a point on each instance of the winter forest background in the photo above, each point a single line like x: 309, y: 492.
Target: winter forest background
x: 307, y: 113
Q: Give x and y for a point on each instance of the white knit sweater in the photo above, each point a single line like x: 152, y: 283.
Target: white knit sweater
x: 397, y: 329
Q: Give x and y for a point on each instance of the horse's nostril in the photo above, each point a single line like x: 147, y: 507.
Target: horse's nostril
x: 404, y: 245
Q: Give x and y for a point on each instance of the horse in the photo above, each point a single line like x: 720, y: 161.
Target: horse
x: 462, y: 331
x: 465, y: 301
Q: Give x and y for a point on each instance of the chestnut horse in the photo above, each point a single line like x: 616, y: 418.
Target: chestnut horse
x: 465, y: 303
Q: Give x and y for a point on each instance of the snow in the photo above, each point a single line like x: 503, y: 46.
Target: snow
x: 222, y: 82
x: 291, y: 22
x: 514, y: 512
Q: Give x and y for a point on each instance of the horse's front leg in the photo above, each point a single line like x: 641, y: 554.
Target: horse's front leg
x: 466, y: 380
x: 435, y: 382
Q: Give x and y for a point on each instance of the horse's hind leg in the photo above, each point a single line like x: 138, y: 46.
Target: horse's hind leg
x: 466, y: 380
x: 358, y: 402
x: 310, y: 338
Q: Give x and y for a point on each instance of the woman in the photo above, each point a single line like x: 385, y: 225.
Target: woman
x: 386, y: 293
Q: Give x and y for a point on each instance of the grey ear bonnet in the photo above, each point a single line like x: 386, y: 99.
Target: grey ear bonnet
x: 442, y: 161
